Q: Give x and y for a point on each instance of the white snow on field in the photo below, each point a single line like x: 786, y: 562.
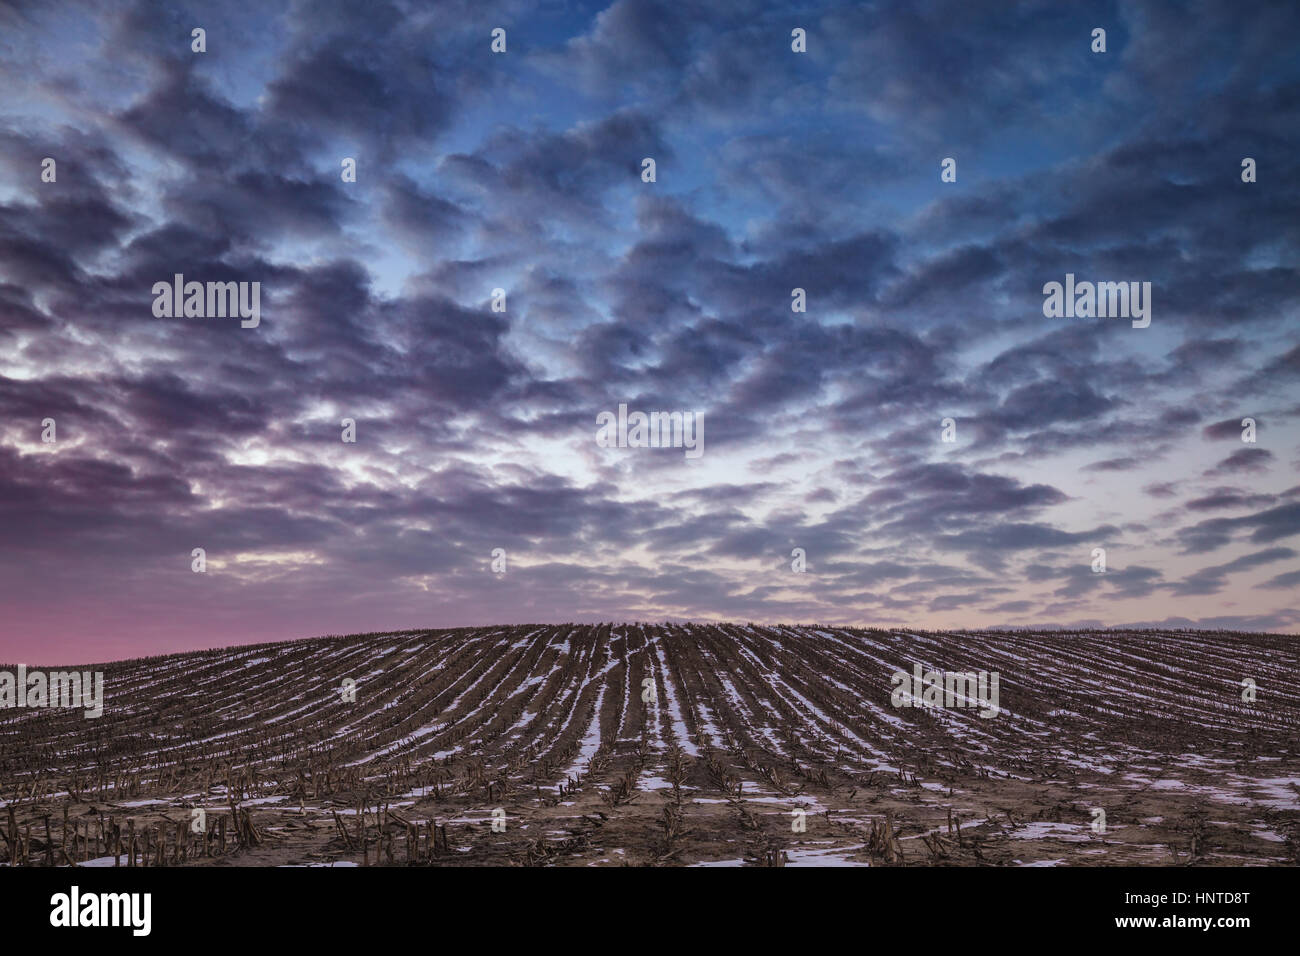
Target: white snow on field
x: 590, y: 741
x: 822, y: 724
x: 256, y: 802
x: 1090, y: 700
x: 417, y: 793
x: 299, y: 710
x: 1279, y: 793
x: 754, y: 725
x: 306, y: 865
x: 680, y: 733
x: 368, y: 811
x: 823, y: 856
x: 1046, y: 830
x: 709, y: 734
x: 442, y: 723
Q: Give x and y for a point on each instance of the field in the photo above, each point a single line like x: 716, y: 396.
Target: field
x: 722, y: 745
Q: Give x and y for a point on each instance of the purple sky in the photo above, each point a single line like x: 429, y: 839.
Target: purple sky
x: 775, y: 170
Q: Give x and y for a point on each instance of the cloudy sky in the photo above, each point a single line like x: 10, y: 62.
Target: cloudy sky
x: 775, y: 170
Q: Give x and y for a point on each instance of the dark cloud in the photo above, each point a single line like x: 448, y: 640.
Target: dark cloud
x: 1266, y: 526
x: 1116, y: 464
x: 1227, y: 498
x: 1245, y: 459
x: 1232, y: 428
x: 522, y: 172
x: 1210, y: 580
x: 1287, y: 581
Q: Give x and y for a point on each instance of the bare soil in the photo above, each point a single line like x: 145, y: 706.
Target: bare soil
x: 651, y: 745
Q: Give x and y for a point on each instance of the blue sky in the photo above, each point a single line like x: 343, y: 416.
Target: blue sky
x: 521, y: 171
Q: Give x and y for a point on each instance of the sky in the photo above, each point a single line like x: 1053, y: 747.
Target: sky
x: 475, y: 413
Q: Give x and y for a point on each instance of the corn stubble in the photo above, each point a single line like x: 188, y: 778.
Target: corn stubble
x: 533, y: 746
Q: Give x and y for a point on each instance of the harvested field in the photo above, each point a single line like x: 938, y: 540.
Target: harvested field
x: 636, y: 744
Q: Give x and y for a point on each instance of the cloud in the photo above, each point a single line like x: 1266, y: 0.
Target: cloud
x: 1246, y: 459
x: 776, y: 171
x: 1210, y: 580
